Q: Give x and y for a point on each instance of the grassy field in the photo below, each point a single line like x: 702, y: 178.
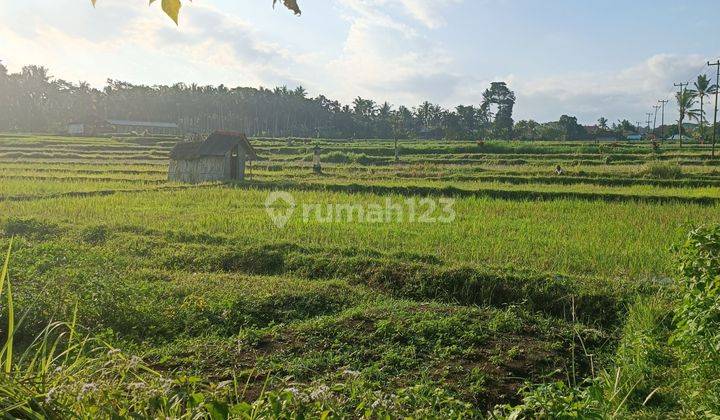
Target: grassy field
x: 192, y: 302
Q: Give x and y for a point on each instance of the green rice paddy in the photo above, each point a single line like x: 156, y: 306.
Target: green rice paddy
x: 400, y: 318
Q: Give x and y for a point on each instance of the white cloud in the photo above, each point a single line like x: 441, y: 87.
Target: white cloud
x: 429, y: 12
x: 144, y: 46
x: 387, y: 59
x: 628, y: 93
x: 210, y: 36
x: 372, y: 12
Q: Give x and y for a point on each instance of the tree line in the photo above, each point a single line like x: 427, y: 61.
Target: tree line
x: 33, y: 101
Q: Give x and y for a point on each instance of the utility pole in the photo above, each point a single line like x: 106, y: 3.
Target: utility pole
x: 657, y: 108
x: 681, y: 108
x: 717, y: 87
x: 648, y: 120
x: 662, y: 123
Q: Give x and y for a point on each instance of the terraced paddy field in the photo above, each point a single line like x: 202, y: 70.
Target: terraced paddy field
x: 194, y: 302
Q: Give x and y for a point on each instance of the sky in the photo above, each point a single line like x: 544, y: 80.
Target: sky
x: 587, y: 58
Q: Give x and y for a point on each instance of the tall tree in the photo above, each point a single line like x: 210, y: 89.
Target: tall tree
x: 686, y: 101
x: 570, y: 128
x: 469, y: 120
x: 5, y: 103
x: 500, y: 96
x: 603, y: 123
x: 527, y: 130
x: 703, y: 88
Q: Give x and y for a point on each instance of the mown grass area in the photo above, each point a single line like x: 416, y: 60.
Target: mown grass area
x: 543, y: 295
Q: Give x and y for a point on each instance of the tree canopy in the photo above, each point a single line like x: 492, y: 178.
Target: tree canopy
x: 38, y: 102
x: 503, y: 99
x: 172, y: 7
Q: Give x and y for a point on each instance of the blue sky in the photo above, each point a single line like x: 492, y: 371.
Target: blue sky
x: 588, y: 58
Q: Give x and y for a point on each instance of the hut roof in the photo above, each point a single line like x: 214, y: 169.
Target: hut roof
x: 186, y: 150
x: 217, y: 144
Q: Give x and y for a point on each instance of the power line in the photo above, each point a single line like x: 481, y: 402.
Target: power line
x: 663, y: 102
x: 670, y: 94
x: 695, y: 71
x: 656, y: 107
x: 717, y: 87
x: 692, y: 75
x: 681, y: 107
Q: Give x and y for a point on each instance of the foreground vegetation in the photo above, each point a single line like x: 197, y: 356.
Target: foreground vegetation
x: 547, y: 296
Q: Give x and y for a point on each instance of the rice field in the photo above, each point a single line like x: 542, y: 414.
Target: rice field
x: 358, y: 318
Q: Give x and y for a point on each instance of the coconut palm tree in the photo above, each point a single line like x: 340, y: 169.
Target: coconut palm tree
x: 686, y: 102
x: 603, y: 123
x: 703, y: 88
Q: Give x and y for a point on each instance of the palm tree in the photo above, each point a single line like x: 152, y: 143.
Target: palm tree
x: 686, y: 101
x: 423, y: 114
x: 602, y: 124
x: 703, y: 88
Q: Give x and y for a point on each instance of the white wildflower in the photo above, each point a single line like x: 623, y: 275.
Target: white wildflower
x: 167, y: 385
x: 49, y: 396
x: 320, y: 392
x: 136, y: 386
x: 292, y: 390
x: 224, y: 384
x: 134, y: 362
x: 88, y: 387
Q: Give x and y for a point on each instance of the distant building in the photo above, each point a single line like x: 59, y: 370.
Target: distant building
x: 220, y: 157
x: 88, y: 127
x: 592, y: 129
x: 126, y: 126
x: 97, y: 126
x: 76, y: 128
x: 635, y: 137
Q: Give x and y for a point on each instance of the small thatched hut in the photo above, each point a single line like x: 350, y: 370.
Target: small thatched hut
x: 221, y: 157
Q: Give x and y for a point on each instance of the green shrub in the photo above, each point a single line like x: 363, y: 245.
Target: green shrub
x: 697, y: 319
x: 95, y: 235
x: 662, y: 170
x: 336, y: 157
x: 557, y: 400
x: 350, y: 157
x: 643, y: 358
x: 30, y: 228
